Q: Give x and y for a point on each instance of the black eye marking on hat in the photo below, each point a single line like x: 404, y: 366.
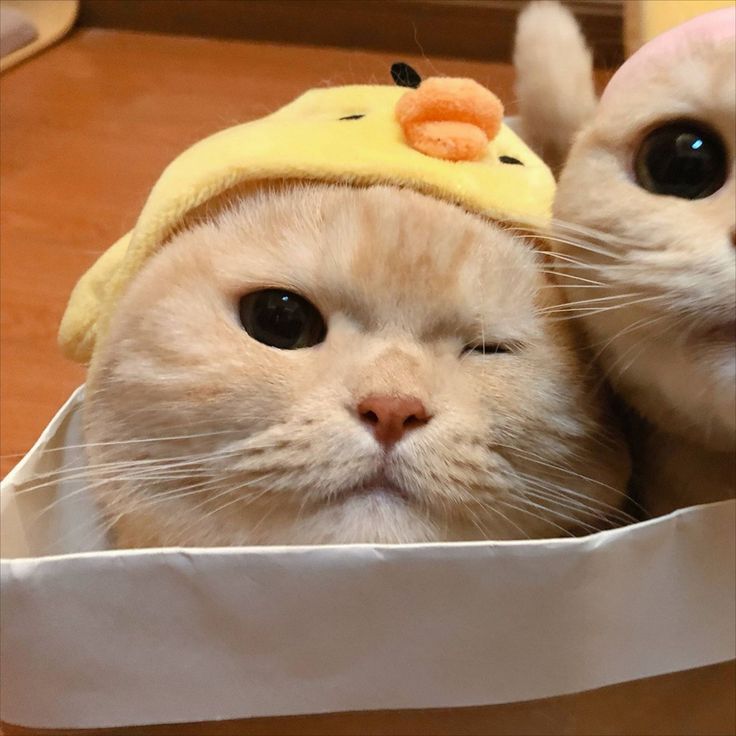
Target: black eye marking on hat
x: 404, y: 76
x: 353, y: 117
x: 510, y: 160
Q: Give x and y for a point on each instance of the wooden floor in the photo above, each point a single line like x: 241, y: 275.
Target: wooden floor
x: 86, y: 128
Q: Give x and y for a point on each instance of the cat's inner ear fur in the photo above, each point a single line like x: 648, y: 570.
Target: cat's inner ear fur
x: 554, y: 80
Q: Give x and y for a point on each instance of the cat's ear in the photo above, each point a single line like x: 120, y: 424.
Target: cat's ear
x: 80, y: 323
x: 404, y: 75
x: 554, y: 80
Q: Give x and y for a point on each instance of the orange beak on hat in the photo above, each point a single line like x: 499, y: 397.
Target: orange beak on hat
x: 451, y: 119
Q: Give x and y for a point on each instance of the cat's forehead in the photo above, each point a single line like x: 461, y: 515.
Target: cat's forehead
x: 683, y: 43
x: 379, y: 251
x: 698, y: 83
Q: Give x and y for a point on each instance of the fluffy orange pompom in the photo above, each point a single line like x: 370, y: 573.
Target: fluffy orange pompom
x: 451, y: 119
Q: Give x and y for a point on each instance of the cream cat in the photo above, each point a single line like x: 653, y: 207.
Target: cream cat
x: 645, y: 234
x: 326, y: 364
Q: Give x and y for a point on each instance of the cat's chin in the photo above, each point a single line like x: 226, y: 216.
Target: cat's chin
x: 367, y: 515
x: 380, y: 488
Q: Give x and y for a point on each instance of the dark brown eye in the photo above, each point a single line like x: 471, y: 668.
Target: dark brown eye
x: 683, y: 159
x: 281, y: 319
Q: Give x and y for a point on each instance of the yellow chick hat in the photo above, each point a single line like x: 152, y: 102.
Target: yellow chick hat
x: 444, y: 138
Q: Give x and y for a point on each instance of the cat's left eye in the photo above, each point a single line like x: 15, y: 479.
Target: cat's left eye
x: 682, y: 159
x: 488, y: 348
x: 281, y: 319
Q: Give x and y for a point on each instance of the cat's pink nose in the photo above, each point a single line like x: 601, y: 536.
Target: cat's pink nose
x: 390, y: 417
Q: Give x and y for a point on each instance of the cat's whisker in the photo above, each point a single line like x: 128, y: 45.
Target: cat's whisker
x: 100, y: 483
x: 564, y: 257
x: 263, y: 519
x: 245, y: 500
x: 595, y: 242
x: 137, y: 441
x: 577, y: 505
x: 556, y: 287
x: 633, y: 327
x: 544, y: 519
x: 595, y: 300
x: 585, y: 232
x: 584, y: 500
x: 602, y: 302
x: 577, y: 312
x: 136, y: 504
x: 111, y: 474
x: 586, y: 247
x: 578, y: 511
x: 609, y: 371
x: 233, y: 489
x: 117, y: 469
x: 545, y: 462
x: 573, y: 521
x: 476, y: 523
x: 641, y: 324
x: 493, y: 509
x: 570, y: 276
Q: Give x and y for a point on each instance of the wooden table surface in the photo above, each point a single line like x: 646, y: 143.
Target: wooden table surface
x: 87, y: 127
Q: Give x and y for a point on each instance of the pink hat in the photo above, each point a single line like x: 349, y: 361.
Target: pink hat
x: 716, y: 26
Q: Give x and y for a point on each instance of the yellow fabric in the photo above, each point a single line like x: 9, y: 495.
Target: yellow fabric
x: 645, y: 19
x: 52, y: 19
x: 306, y: 140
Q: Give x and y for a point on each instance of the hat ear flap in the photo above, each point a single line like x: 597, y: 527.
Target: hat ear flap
x: 79, y: 325
x: 404, y: 75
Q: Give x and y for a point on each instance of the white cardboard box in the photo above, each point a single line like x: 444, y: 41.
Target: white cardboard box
x: 94, y: 638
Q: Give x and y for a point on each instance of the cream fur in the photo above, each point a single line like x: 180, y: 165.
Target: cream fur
x: 554, y: 82
x: 668, y: 348
x: 518, y: 444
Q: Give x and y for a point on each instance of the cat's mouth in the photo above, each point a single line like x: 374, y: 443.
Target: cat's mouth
x: 378, y: 485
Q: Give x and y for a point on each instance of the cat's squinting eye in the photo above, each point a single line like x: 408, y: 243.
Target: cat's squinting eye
x: 683, y: 159
x: 488, y: 348
x: 281, y: 319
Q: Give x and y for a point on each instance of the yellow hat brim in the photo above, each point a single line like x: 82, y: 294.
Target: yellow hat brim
x: 310, y: 139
